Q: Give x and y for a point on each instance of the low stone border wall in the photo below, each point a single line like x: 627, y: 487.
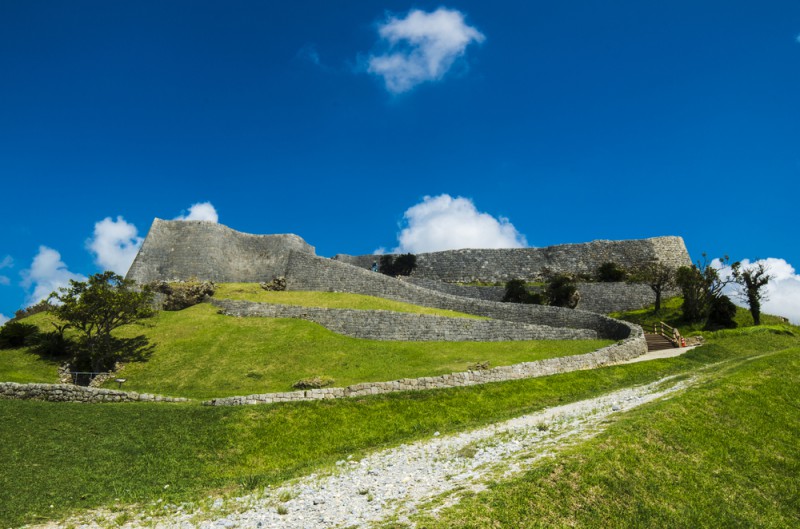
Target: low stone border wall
x: 399, y: 326
x: 70, y: 393
x: 616, y: 353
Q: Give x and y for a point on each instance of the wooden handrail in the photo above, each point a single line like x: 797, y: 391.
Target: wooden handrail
x: 674, y: 336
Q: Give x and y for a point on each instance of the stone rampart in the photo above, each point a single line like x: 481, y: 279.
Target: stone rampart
x: 602, y: 298
x: 70, y: 393
x: 181, y: 250
x: 309, y: 272
x: 530, y: 264
x: 551, y: 366
x: 398, y: 326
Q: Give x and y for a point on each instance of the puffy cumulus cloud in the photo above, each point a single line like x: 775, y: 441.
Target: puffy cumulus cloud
x: 201, y: 211
x: 3, y: 319
x: 114, y: 244
x: 447, y: 223
x: 782, y: 291
x: 46, y: 274
x: 421, y: 47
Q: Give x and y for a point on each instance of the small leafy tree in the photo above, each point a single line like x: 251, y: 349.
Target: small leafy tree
x: 386, y: 265
x: 701, y: 285
x: 611, y: 273
x: 96, y: 307
x: 658, y: 276
x: 751, y: 281
x: 562, y: 292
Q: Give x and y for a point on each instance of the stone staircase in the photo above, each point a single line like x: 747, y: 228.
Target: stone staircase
x: 656, y: 342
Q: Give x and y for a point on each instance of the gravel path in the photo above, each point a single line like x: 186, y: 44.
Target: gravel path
x: 398, y: 481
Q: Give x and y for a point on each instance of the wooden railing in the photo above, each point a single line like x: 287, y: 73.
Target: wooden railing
x: 670, y: 333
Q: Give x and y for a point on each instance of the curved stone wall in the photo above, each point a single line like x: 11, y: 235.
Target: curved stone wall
x: 551, y: 366
x: 181, y: 250
x: 398, y: 326
x: 309, y: 272
x: 529, y: 264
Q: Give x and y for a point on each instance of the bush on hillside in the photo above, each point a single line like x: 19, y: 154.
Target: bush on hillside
x: 42, y: 306
x: 313, y: 383
x: 517, y: 292
x: 611, y: 273
x: 562, y: 292
x: 402, y: 265
x: 722, y: 314
x: 15, y: 334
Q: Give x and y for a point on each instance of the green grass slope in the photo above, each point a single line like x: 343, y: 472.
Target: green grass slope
x: 723, y: 454
x: 331, y: 300
x: 76, y: 456
x: 200, y: 353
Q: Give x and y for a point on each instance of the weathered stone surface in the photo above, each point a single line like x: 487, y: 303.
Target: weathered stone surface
x: 70, y: 393
x: 530, y: 264
x: 181, y: 250
x: 397, y: 326
x: 309, y: 272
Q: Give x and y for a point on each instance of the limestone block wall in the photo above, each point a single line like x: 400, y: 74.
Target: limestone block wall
x: 180, y: 250
x: 70, y: 393
x: 397, y: 326
x: 595, y: 297
x: 309, y: 272
x: 606, y: 356
x: 529, y: 264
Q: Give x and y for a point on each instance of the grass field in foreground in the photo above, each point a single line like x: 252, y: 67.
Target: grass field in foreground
x: 331, y: 300
x: 724, y: 454
x: 199, y: 353
x: 74, y: 456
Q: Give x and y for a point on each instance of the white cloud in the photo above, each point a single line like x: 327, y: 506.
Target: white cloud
x: 7, y: 262
x: 447, y: 223
x: 782, y: 291
x: 114, y: 244
x: 3, y: 319
x: 201, y: 211
x: 422, y: 47
x: 46, y: 274
x: 4, y: 280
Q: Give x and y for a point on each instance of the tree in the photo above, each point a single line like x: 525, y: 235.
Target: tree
x: 658, y: 276
x: 701, y: 285
x: 387, y: 265
x: 751, y: 281
x: 96, y: 307
x: 721, y: 313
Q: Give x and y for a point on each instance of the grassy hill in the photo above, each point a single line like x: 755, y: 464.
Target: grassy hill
x: 724, y: 453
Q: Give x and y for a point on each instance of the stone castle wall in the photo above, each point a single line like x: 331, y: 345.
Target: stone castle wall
x: 181, y: 250
x: 398, y: 326
x: 309, y: 272
x: 70, y: 393
x: 595, y: 297
x: 530, y: 264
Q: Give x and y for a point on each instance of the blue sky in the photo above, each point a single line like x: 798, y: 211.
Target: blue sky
x: 572, y: 121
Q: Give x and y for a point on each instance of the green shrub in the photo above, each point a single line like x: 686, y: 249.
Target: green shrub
x: 42, y: 306
x: 402, y: 265
x: 517, y: 292
x: 611, y: 273
x: 52, y: 344
x: 313, y: 383
x: 15, y: 334
x: 562, y: 292
x: 722, y: 314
